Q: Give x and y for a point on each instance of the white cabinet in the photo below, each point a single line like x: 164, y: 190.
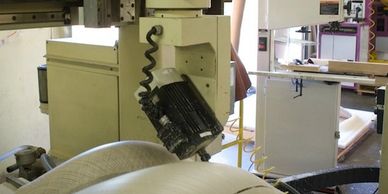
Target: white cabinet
x: 338, y: 47
x: 349, y: 43
x: 299, y: 134
x: 83, y: 96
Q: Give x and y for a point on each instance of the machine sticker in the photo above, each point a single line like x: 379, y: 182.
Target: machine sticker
x: 204, y: 134
x: 263, y: 43
x: 329, y: 7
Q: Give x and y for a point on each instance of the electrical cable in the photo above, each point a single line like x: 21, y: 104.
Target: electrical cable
x: 168, y: 132
x: 232, y: 124
x: 4, y: 40
x: 256, y: 162
x: 156, y: 30
x: 145, y: 100
x: 377, y: 189
x: 12, y: 34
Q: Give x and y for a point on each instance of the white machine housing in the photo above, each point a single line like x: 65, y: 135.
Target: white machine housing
x: 277, y: 14
x: 87, y: 111
x: 359, y: 4
x: 281, y: 141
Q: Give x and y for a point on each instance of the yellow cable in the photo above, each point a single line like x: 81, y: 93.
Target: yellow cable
x: 267, y: 171
x: 372, y: 35
x: 233, y: 143
x: 277, y: 184
x: 253, y: 153
x: 242, y: 145
x: 260, y: 161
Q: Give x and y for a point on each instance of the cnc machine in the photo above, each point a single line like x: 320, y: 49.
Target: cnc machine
x: 204, y: 60
x: 93, y: 87
x: 165, y: 80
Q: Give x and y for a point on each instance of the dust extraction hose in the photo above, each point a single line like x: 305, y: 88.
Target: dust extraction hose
x: 14, y: 151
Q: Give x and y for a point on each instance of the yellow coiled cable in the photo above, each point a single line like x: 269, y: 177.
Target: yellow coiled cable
x: 254, y: 162
x: 372, y: 35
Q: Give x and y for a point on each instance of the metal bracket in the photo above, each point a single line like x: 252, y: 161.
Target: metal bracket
x: 379, y: 106
x: 299, y: 87
x: 16, y: 182
x: 337, y: 134
x: 32, y: 17
x: 127, y: 10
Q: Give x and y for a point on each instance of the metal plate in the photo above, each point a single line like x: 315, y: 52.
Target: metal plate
x: 32, y: 17
x: 127, y: 10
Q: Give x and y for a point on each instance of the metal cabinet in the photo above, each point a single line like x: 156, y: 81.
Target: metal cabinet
x: 338, y: 47
x: 299, y: 133
x: 83, y: 96
x: 349, y: 43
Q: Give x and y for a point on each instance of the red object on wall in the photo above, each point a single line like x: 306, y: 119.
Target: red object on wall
x: 243, y: 83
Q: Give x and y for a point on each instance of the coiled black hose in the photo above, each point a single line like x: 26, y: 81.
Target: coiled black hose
x: 156, y: 30
x: 145, y: 101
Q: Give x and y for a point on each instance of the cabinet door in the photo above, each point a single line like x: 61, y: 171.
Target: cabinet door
x: 344, y: 48
x: 300, y: 132
x: 380, y: 25
x: 83, y: 109
x: 327, y: 46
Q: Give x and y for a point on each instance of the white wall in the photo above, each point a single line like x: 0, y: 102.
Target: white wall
x: 286, y: 47
x: 248, y: 37
x: 248, y: 54
x: 21, y: 122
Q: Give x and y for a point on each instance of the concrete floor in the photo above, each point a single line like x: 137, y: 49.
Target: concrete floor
x: 367, y: 152
x: 350, y: 99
